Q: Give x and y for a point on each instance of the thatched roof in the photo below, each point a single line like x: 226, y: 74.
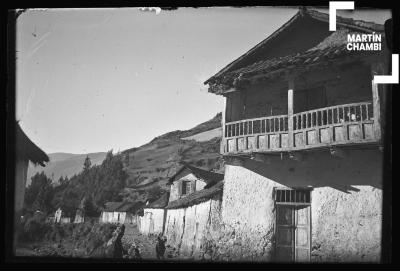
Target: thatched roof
x: 331, y: 47
x: 207, y: 176
x: 26, y: 149
x: 197, y: 197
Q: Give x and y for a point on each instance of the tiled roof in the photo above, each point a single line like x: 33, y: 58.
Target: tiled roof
x: 159, y: 203
x: 122, y: 206
x: 207, y: 176
x: 197, y: 197
x: 112, y: 206
x: 332, y: 47
x: 348, y: 22
x: 131, y: 207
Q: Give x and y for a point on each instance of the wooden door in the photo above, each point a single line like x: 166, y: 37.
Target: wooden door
x: 293, y: 236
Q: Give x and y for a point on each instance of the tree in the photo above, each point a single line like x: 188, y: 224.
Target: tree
x: 88, y: 206
x: 63, y: 180
x: 92, y: 187
x: 39, y: 193
x: 87, y: 164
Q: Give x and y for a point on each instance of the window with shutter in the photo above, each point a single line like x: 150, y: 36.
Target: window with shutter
x: 179, y: 188
x: 193, y: 188
x: 186, y: 187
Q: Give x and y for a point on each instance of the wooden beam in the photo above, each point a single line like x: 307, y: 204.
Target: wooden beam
x: 223, y: 141
x: 376, y: 69
x: 338, y: 152
x: 290, y: 112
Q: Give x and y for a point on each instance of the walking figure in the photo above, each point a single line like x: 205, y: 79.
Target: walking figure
x: 160, y: 246
x: 134, y: 252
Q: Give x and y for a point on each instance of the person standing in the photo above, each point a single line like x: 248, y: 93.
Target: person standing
x: 160, y: 246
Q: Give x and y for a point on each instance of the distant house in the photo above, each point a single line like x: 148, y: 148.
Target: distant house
x: 26, y: 151
x: 185, y: 182
x: 79, y: 216
x: 189, y: 179
x: 65, y: 220
x: 190, y: 218
x: 153, y: 219
x: 120, y: 212
x: 57, y: 215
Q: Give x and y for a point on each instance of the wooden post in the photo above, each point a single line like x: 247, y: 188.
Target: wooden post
x: 290, y: 112
x: 376, y: 69
x: 223, y: 141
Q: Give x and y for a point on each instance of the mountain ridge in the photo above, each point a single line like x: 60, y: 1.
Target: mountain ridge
x: 153, y: 161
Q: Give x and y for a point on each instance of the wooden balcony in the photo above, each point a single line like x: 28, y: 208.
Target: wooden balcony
x: 330, y: 126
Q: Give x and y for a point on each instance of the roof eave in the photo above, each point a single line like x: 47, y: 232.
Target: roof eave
x: 299, y: 14
x: 320, y: 16
x: 30, y: 150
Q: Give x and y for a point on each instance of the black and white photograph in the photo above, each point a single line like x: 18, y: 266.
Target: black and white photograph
x: 221, y: 134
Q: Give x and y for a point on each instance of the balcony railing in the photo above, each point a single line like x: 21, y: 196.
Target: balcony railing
x: 335, y: 125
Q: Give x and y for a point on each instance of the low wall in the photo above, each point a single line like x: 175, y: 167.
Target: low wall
x: 186, y: 229
x: 79, y: 219
x: 152, y: 221
x: 113, y: 217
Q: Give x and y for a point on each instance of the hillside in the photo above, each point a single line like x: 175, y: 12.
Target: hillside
x: 156, y: 161
x: 153, y: 163
x: 64, y: 164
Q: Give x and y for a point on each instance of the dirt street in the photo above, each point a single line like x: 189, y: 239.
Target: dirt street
x: 146, y: 244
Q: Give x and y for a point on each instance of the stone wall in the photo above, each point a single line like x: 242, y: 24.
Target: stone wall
x: 346, y: 206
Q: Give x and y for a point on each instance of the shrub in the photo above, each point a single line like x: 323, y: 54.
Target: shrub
x: 94, y: 235
x: 33, y: 228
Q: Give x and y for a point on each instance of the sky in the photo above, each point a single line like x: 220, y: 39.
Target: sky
x: 91, y: 80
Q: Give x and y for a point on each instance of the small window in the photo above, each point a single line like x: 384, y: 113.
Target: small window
x: 185, y: 187
x: 292, y: 196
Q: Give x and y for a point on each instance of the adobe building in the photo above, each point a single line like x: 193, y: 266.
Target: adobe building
x: 153, y: 220
x: 302, y: 142
x: 120, y: 212
x: 194, y: 207
x: 79, y: 216
x: 189, y: 179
